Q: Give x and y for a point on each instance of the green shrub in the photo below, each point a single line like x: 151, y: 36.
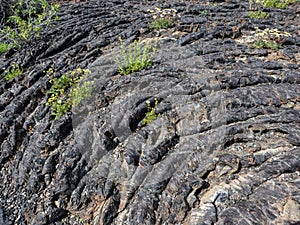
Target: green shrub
x: 79, y: 93
x: 269, y: 38
x: 134, y: 57
x: 258, y: 14
x: 151, y: 114
x: 161, y: 23
x: 15, y: 71
x: 27, y: 19
x: 204, y: 12
x: 272, y: 3
x: 162, y: 18
x: 60, y: 100
x: 266, y: 44
x: 4, y: 47
x: 282, y: 4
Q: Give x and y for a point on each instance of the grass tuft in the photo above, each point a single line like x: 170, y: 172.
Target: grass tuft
x: 27, y: 19
x: 134, y: 57
x: 258, y: 14
x: 162, y: 18
x: 4, y: 47
x: 15, y: 71
x: 60, y: 99
x: 151, y: 114
x: 280, y: 4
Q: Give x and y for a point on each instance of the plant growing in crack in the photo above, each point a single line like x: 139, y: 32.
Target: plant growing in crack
x: 15, y: 71
x: 269, y: 38
x: 151, y: 114
x: 134, y: 57
x: 281, y: 4
x: 163, y: 18
x: 204, y: 12
x: 258, y: 14
x: 257, y: 7
x: 25, y: 21
x: 60, y: 99
x: 4, y: 47
x: 74, y: 219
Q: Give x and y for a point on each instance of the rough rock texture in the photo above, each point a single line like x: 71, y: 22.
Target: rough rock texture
x: 225, y: 148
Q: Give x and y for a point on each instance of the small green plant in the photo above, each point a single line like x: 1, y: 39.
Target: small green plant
x: 27, y: 19
x: 15, y: 71
x: 151, y: 114
x: 204, y: 12
x: 60, y: 100
x: 134, y: 57
x: 281, y: 4
x: 258, y: 14
x: 74, y: 219
x: 266, y: 44
x: 269, y: 38
x: 161, y: 23
x: 79, y: 93
x: 4, y: 47
x: 162, y: 18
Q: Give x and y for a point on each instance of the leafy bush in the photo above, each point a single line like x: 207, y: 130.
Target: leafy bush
x: 134, y: 57
x: 162, y: 18
x: 269, y: 38
x: 27, y: 19
x: 60, y: 100
x: 272, y: 3
x: 258, y: 14
x: 161, y: 23
x: 204, y: 12
x: 151, y: 114
x: 265, y: 44
x: 4, y: 47
x: 79, y: 93
x: 276, y: 3
x: 15, y: 71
